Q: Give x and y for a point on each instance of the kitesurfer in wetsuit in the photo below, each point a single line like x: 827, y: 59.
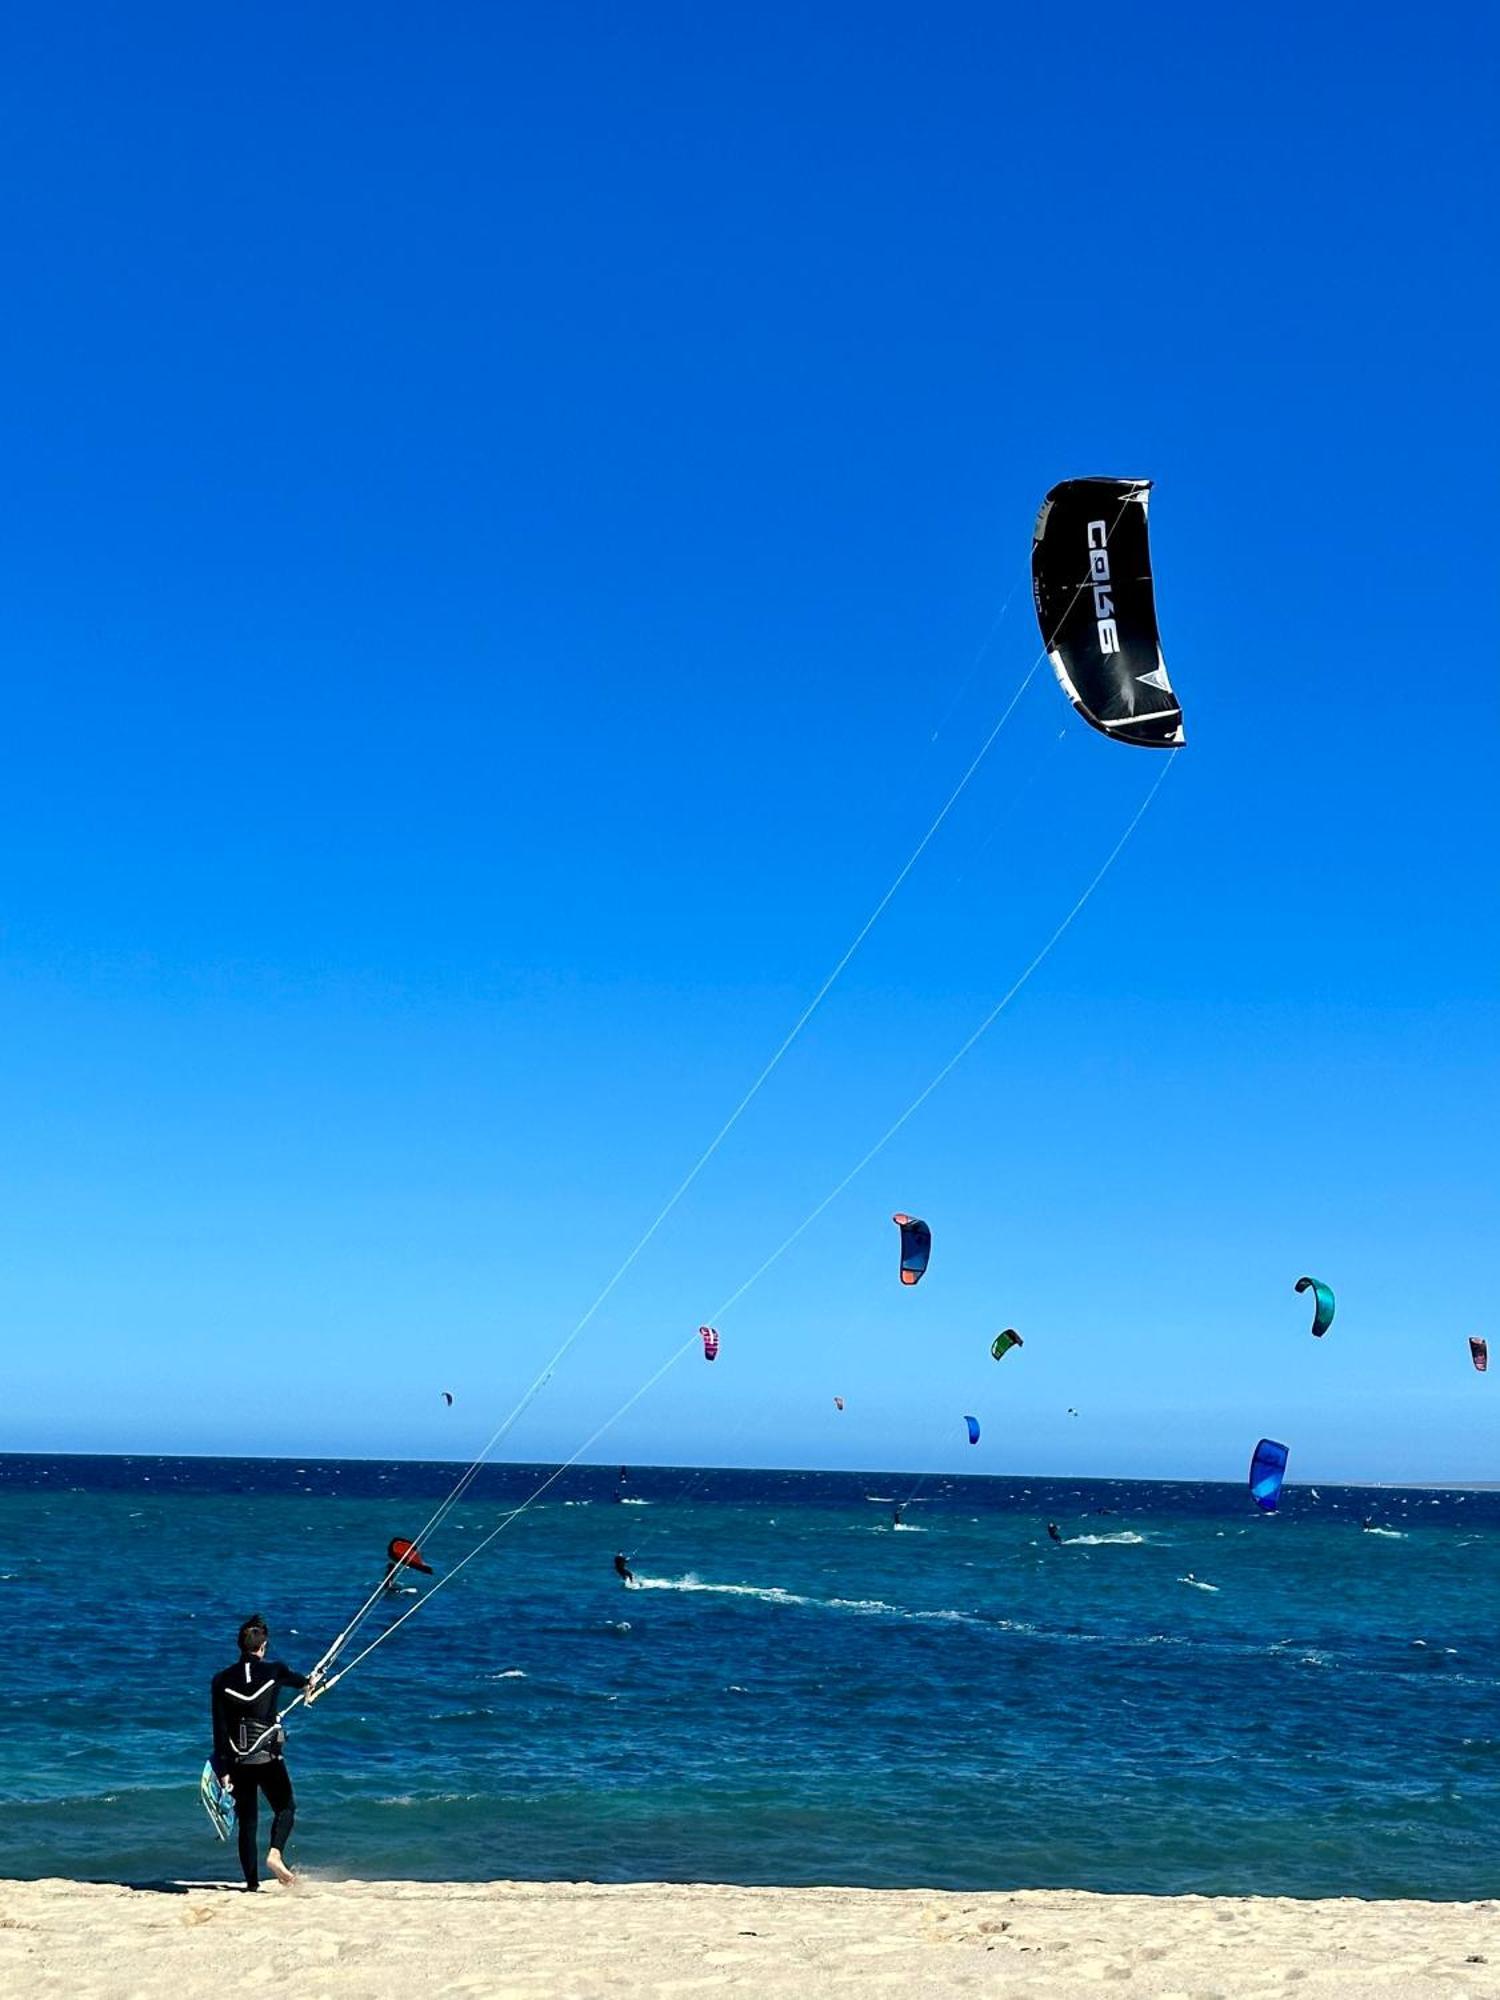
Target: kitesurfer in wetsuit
x: 896, y: 1513
x: 248, y: 1740
x: 1052, y: 1531
x: 624, y: 1572
x: 400, y: 1557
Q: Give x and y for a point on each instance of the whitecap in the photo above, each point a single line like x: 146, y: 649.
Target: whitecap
x: 767, y: 1594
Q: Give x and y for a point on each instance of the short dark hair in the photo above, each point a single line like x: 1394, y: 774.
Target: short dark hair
x: 253, y: 1633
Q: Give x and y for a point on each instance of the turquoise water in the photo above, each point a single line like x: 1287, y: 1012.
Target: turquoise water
x: 797, y: 1694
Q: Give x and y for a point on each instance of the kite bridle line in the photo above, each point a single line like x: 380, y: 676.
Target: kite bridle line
x: 979, y: 658
x: 467, y: 1479
x: 540, y: 1382
x: 692, y: 1343
x: 440, y: 1515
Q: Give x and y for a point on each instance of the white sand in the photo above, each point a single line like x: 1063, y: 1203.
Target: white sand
x: 528, y: 1941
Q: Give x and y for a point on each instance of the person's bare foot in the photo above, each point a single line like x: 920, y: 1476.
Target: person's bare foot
x: 279, y: 1868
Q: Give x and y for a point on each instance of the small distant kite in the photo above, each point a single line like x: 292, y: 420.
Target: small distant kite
x: 448, y: 1398
x: 1001, y: 1345
x: 838, y: 1402
x: 916, y: 1246
x: 709, y: 1336
x: 973, y: 1424
x: 1479, y: 1352
x: 1322, y: 1304
x: 1072, y: 1413
x: 1267, y: 1470
x: 402, y: 1554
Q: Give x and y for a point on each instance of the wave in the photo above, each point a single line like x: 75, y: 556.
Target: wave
x: 1127, y: 1537
x: 629, y: 1500
x: 859, y: 1607
x: 428, y: 1799
x: 510, y: 1674
x: 1390, y: 1534
x: 767, y: 1594
x: 1197, y: 1583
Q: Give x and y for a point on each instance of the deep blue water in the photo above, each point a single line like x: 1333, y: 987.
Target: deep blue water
x: 797, y: 1694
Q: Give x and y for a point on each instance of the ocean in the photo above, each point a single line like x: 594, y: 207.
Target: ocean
x: 1179, y: 1695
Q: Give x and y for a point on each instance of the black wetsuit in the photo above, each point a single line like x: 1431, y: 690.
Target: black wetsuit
x: 247, y: 1751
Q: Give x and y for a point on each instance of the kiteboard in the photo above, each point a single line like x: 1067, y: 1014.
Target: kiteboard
x: 218, y: 1800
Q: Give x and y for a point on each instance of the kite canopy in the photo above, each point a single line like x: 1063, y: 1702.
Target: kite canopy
x: 1095, y: 604
x: 402, y: 1554
x: 1479, y: 1352
x: 709, y: 1336
x: 973, y: 1424
x: 1322, y: 1304
x: 1267, y: 1470
x: 916, y: 1246
x: 448, y: 1398
x: 838, y: 1402
x: 1001, y: 1345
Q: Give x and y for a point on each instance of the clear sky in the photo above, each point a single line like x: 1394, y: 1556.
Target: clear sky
x: 499, y: 510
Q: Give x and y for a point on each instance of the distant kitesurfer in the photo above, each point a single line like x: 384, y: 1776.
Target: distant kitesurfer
x: 1052, y: 1531
x: 624, y: 1572
x: 896, y: 1513
x: 400, y: 1556
x: 248, y: 1741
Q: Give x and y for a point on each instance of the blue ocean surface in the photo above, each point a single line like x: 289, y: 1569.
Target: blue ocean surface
x: 1180, y: 1694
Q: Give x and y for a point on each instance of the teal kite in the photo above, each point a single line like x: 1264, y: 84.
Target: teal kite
x: 1322, y: 1304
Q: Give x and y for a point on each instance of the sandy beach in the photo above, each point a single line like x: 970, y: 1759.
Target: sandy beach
x: 529, y: 1941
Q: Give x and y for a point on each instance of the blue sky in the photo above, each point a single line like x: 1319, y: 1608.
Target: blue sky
x: 500, y: 512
